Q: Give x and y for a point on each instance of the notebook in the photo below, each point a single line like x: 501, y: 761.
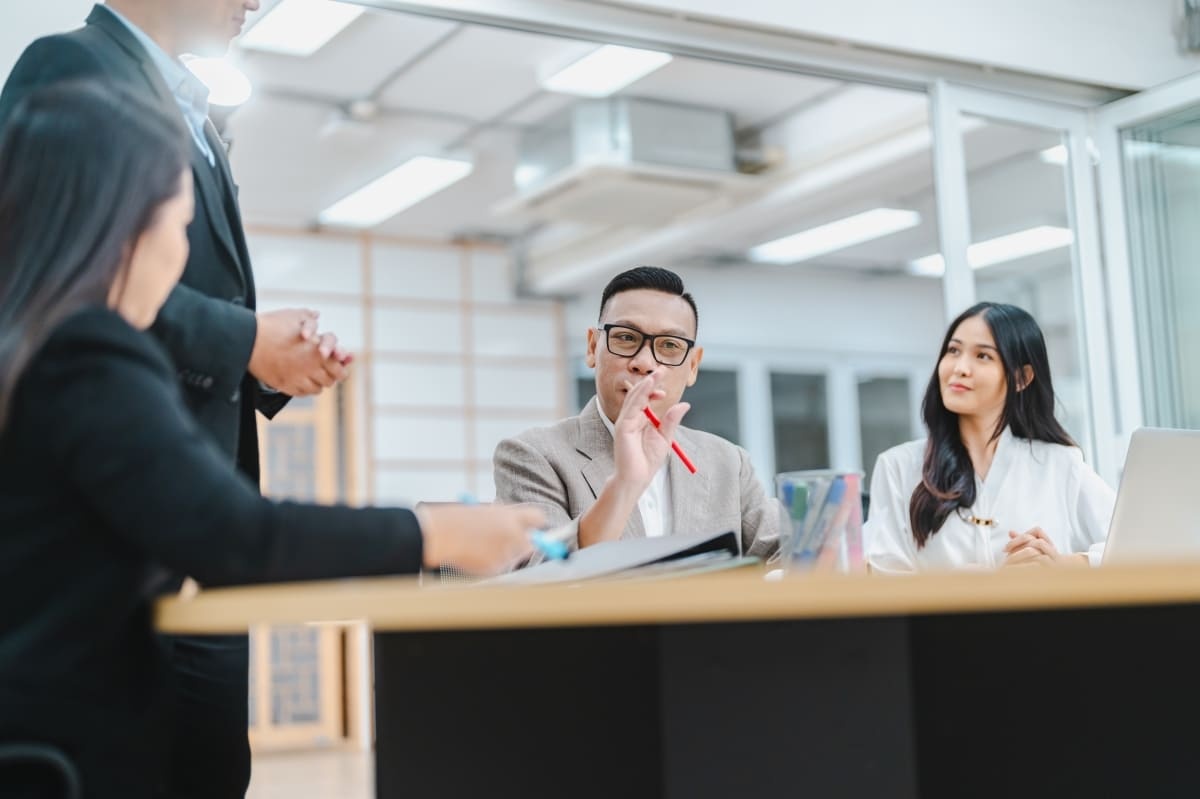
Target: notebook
x: 635, y: 556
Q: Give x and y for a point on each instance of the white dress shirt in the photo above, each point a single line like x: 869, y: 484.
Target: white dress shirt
x: 1030, y: 484
x: 655, y: 502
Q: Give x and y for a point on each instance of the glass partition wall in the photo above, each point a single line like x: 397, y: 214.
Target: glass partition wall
x: 1149, y: 169
x: 1161, y: 163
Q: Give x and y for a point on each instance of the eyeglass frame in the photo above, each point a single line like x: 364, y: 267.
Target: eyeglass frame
x: 646, y: 337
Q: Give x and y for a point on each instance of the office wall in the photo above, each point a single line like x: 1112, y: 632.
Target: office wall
x: 21, y: 22
x: 797, y: 310
x: 1122, y: 43
x: 448, y: 361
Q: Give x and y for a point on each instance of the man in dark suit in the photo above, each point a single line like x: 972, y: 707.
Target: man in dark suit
x: 229, y: 359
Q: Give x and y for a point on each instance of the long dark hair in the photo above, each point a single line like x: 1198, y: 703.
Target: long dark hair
x: 84, y: 167
x: 948, y: 476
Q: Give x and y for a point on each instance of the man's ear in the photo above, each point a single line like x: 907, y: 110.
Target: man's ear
x: 694, y: 365
x: 1026, y: 378
x: 592, y: 340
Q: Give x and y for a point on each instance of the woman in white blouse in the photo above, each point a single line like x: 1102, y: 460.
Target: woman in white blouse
x: 998, y: 482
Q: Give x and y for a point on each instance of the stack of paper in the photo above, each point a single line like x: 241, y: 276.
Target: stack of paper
x: 647, y: 557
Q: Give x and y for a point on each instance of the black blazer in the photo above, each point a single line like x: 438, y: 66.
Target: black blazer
x: 105, y: 479
x: 207, y: 324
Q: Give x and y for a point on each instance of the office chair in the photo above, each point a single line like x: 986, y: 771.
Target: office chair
x: 47, y: 757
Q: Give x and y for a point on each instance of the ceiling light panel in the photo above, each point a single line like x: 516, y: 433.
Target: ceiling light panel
x: 300, y: 27
x: 835, y: 236
x: 1032, y: 241
x: 403, y: 187
x: 606, y: 70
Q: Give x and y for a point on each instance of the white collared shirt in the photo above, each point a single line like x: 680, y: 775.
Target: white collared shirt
x: 191, y: 95
x: 654, y: 504
x: 1030, y: 484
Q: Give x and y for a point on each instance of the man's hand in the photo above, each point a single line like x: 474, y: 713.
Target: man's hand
x: 639, y: 449
x: 290, y: 356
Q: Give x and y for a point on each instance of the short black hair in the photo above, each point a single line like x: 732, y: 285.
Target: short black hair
x: 654, y: 278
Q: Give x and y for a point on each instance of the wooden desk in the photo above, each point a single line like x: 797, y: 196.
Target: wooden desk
x: 1062, y: 683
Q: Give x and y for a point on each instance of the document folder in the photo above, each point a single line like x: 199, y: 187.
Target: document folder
x: 630, y: 556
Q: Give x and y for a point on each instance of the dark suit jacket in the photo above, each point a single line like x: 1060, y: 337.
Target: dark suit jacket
x: 207, y: 324
x: 104, y: 479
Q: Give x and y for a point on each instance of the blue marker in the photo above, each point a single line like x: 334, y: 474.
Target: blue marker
x: 814, y: 538
x: 551, y: 547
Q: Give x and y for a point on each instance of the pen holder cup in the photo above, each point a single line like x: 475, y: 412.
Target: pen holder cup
x: 823, y: 518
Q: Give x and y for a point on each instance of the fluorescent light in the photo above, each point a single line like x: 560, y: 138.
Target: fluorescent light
x: 528, y: 174
x: 227, y: 85
x: 1018, y: 245
x: 998, y: 250
x: 300, y: 27
x: 1056, y: 155
x: 403, y: 187
x: 835, y: 236
x: 929, y: 266
x: 605, y: 70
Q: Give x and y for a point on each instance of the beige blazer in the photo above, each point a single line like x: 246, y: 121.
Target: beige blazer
x: 562, y: 469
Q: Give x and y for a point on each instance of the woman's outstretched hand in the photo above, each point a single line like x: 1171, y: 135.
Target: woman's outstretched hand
x: 480, y: 539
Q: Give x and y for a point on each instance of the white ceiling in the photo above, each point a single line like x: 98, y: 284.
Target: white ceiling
x: 437, y: 87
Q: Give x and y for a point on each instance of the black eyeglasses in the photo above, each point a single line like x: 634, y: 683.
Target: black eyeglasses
x: 626, y: 342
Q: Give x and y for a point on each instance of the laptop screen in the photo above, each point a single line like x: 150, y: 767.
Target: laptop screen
x: 1157, y: 516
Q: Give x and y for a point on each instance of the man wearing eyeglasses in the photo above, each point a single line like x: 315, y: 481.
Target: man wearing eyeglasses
x: 608, y: 473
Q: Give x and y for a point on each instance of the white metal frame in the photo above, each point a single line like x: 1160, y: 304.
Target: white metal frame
x: 1107, y: 123
x: 950, y: 102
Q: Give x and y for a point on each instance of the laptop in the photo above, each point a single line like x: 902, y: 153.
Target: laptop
x: 1157, y: 517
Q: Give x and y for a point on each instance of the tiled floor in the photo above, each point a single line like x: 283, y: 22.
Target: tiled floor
x: 313, y: 775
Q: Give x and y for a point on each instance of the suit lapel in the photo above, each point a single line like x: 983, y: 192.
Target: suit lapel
x: 689, y: 492
x: 595, y: 444
x: 213, y: 194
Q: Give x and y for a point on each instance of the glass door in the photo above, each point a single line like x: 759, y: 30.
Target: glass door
x: 1018, y: 224
x: 1149, y: 148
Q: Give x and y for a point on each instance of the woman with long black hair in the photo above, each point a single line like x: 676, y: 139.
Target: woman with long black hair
x: 998, y: 482
x: 105, y: 481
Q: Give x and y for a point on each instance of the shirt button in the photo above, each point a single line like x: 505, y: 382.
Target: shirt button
x: 236, y: 396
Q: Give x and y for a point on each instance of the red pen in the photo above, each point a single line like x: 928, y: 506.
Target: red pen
x: 686, y: 461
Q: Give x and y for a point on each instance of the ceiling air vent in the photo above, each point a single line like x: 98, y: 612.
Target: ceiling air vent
x: 624, y: 160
